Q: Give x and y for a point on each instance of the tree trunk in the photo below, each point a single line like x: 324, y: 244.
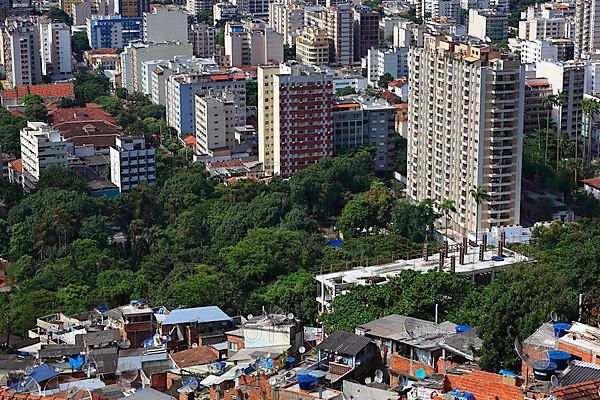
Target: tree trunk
x: 547, y: 131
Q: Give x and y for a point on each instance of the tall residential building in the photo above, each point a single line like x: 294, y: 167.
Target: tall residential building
x: 256, y: 8
x: 500, y: 5
x: 41, y: 147
x: 132, y: 8
x: 196, y: 7
x: 182, y: 87
x: 488, y: 24
x: 533, y: 51
x: 566, y: 78
x: 298, y: 101
x: 312, y: 47
x: 132, y: 163
x: 587, y: 28
x: 266, y: 123
x: 215, y: 123
x: 536, y: 91
x: 408, y: 34
x: 66, y: 6
x: 287, y: 18
x: 391, y: 61
x: 81, y: 10
x: 366, y: 31
x: 360, y: 121
x: 55, y: 46
x: 166, y: 24
x: 252, y: 43
x: 135, y: 54
x: 465, y: 113
x: 339, y: 23
x: 539, y: 27
x: 203, y: 39
x: 113, y: 31
x: 21, y: 53
x: 439, y: 9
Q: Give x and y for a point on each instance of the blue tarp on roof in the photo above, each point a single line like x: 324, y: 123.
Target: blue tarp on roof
x: 197, y: 314
x: 43, y: 372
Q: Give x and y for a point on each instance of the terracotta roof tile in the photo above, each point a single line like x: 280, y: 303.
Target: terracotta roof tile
x: 580, y: 391
x: 17, y: 165
x: 45, y: 91
x: 190, y: 140
x: 189, y: 358
x: 593, y: 182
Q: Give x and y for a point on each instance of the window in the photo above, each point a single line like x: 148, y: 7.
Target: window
x: 233, y: 346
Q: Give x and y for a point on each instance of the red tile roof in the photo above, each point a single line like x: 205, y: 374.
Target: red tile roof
x: 17, y: 165
x: 192, y: 357
x: 579, y: 391
x: 225, y: 77
x: 94, y: 52
x: 594, y: 182
x: 18, y: 113
x: 190, y: 140
x: 225, y: 164
x: 91, y: 112
x: 389, y: 95
x: 398, y: 83
x: 44, y: 90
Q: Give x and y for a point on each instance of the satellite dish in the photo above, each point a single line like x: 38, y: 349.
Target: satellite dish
x: 302, y: 349
x: 412, y: 327
x: 520, y: 352
x: 192, y: 383
x: 553, y: 316
x: 272, y: 381
x: 488, y: 39
x: 401, y: 381
x: 553, y: 381
x: 28, y: 385
x: 368, y: 380
x: 28, y: 370
x: 290, y: 316
x: 250, y: 316
x: 166, y: 338
x: 237, y: 373
x: 194, y: 345
x: 378, y: 376
x: 124, y: 343
x: 421, y: 374
x: 78, y: 393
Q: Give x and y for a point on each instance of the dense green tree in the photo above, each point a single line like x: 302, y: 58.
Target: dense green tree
x: 155, y: 111
x: 113, y: 105
x: 80, y: 42
x: 36, y: 112
x: 413, y: 222
x: 32, y: 99
x: 116, y: 286
x: 58, y: 15
x: 251, y: 92
x: 384, y: 80
x: 89, y: 86
x: 60, y: 177
x: 358, y: 217
x: 345, y: 91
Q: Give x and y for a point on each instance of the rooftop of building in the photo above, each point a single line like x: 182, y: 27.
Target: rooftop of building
x: 195, y: 356
x: 17, y: 165
x: 593, y: 183
x: 341, y: 342
x: 198, y: 315
x: 44, y: 90
x: 92, y: 179
x: 580, y: 391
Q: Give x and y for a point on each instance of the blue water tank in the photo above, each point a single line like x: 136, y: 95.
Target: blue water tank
x: 560, y: 358
x: 560, y: 329
x: 543, y: 370
x: 463, y: 328
x: 306, y: 382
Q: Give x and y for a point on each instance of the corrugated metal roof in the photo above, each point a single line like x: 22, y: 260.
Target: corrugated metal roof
x: 579, y: 371
x: 197, y: 315
x: 346, y: 343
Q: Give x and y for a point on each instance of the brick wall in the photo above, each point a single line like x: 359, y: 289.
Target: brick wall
x: 401, y: 365
x: 235, y: 339
x: 584, y: 354
x: 158, y: 380
x: 484, y: 386
x: 338, y: 369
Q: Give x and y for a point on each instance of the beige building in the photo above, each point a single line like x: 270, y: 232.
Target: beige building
x: 166, y: 24
x: 41, y: 147
x: 587, y: 27
x: 215, y: 123
x: 203, y: 39
x: 484, y: 24
x: 312, y: 47
x: 465, y: 116
x: 266, y: 126
x: 566, y: 78
x: 287, y: 17
x: 252, y: 43
x: 21, y: 53
x: 339, y: 24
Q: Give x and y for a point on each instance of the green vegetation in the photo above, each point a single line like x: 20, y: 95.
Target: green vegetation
x: 80, y: 43
x: 10, y: 127
x: 345, y: 91
x: 58, y: 15
x: 384, y: 80
x: 251, y: 93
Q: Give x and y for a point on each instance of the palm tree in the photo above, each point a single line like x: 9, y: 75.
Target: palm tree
x: 446, y: 207
x: 561, y: 99
x: 590, y: 108
x: 549, y: 102
x: 479, y: 194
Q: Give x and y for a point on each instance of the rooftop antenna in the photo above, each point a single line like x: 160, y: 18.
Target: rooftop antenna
x: 553, y: 316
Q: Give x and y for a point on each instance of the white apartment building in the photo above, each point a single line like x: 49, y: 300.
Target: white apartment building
x: 266, y: 124
x: 592, y: 77
x: 534, y: 51
x: 287, y: 17
x: 476, y: 4
x: 393, y: 61
x: 252, y: 43
x: 215, y: 123
x: 256, y: 8
x: 166, y: 24
x: 21, y: 53
x: 55, y: 46
x: 587, y: 27
x: 488, y: 24
x: 339, y: 23
x: 196, y: 7
x: 545, y: 28
x: 132, y: 163
x: 136, y: 53
x: 439, y: 9
x: 225, y: 11
x: 41, y: 147
x: 566, y: 78
x: 465, y: 130
x: 203, y: 39
x: 408, y: 34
